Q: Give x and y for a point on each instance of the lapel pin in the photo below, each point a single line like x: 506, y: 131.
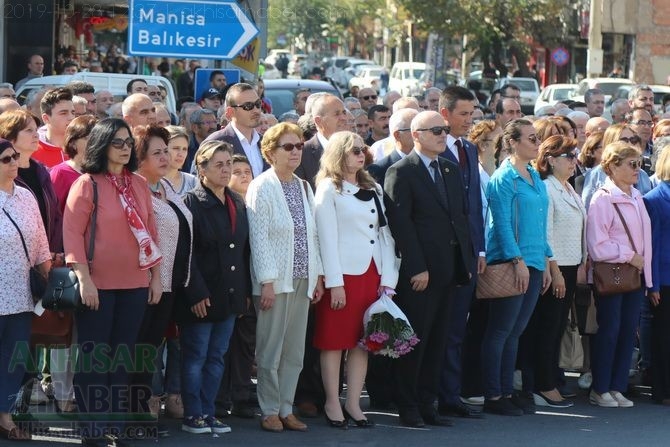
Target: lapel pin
x: 446, y: 170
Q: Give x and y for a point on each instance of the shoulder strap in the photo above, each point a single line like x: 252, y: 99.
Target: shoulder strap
x: 94, y: 219
x: 625, y: 226
x: 23, y: 241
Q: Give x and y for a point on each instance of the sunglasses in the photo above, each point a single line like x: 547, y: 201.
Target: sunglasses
x: 369, y: 97
x: 569, y: 156
x: 437, y: 130
x: 359, y: 150
x: 631, y: 140
x: 643, y: 123
x: 8, y: 159
x: 635, y: 164
x: 118, y: 143
x: 248, y: 106
x: 288, y: 147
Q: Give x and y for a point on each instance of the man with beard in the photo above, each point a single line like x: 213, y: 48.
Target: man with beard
x: 243, y: 110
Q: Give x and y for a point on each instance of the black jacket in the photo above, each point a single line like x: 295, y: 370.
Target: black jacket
x: 220, y: 257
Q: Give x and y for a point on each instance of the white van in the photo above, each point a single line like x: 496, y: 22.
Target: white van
x: 406, y: 78
x: 114, y: 82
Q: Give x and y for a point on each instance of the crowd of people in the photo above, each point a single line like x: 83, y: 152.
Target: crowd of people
x: 233, y: 246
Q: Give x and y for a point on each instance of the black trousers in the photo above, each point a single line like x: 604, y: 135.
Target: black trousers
x: 416, y: 376
x: 310, y: 386
x: 540, y: 343
x: 660, y: 345
x: 236, y: 382
x: 471, y: 378
x: 151, y: 334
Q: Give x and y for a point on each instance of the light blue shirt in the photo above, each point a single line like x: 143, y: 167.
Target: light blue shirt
x: 426, y: 162
x: 518, y: 218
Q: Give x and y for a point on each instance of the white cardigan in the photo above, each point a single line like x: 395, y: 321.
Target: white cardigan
x: 566, y: 224
x: 271, y: 235
x: 350, y: 235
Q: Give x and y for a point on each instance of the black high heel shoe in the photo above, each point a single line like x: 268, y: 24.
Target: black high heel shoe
x: 336, y: 424
x: 361, y: 423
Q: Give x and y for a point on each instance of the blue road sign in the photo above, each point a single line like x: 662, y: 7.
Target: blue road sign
x: 189, y: 29
x: 560, y: 56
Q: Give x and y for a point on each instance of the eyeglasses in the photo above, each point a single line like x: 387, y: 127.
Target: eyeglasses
x: 631, y: 140
x: 288, y: 147
x: 635, y: 164
x: 369, y: 97
x: 436, y: 130
x: 248, y: 106
x: 404, y: 129
x: 8, y: 159
x: 569, y: 156
x: 643, y: 123
x: 359, y: 150
x: 118, y: 143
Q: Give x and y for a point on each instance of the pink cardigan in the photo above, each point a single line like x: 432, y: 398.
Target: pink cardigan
x: 116, y: 255
x: 605, y: 234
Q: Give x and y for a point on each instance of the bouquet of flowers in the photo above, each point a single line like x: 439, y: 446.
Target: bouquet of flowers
x: 386, y: 330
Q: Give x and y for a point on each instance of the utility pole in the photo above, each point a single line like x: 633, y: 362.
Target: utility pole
x: 594, y: 63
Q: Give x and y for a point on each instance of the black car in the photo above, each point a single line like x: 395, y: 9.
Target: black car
x: 281, y: 92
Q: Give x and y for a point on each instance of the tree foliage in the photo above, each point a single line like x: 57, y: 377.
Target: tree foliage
x: 496, y: 28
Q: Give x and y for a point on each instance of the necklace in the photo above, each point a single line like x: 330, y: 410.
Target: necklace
x: 156, y: 190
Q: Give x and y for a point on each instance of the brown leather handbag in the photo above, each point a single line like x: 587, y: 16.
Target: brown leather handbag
x: 499, y: 280
x: 613, y: 278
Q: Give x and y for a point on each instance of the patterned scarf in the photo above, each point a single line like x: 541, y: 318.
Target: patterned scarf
x: 149, y: 254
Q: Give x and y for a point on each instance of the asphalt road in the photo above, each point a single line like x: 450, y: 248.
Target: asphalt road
x: 645, y: 424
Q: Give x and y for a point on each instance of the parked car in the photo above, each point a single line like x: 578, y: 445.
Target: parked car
x: 295, y: 64
x: 114, y: 82
x: 273, y: 55
x: 271, y: 71
x: 609, y: 86
x: 281, y: 92
x: 367, y: 76
x: 554, y: 93
x: 351, y: 68
x: 530, y: 91
x: 406, y: 78
x: 334, y: 69
x: 659, y: 92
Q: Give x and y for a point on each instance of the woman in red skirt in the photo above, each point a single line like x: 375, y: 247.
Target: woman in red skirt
x: 358, y: 255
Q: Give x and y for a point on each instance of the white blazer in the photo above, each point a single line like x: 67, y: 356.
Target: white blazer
x: 566, y: 224
x: 271, y: 235
x: 350, y: 235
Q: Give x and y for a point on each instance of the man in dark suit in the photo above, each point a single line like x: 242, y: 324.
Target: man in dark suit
x: 329, y: 116
x: 457, y: 104
x: 243, y: 110
x: 428, y: 217
x: 399, y: 128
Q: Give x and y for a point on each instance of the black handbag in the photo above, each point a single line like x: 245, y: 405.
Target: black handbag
x: 62, y: 291
x: 38, y: 281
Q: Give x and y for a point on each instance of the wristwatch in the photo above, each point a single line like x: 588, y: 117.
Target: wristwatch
x: 516, y: 260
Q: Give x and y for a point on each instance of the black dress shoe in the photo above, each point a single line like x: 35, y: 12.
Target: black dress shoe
x: 502, y: 406
x: 435, y: 419
x: 459, y: 410
x: 413, y: 420
x: 343, y: 425
x: 242, y: 410
x: 360, y: 423
x: 524, y: 402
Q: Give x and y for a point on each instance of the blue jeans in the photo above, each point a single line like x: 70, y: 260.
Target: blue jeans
x: 203, y: 346
x: 15, y: 356
x: 508, y: 318
x: 618, y: 318
x: 167, y: 378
